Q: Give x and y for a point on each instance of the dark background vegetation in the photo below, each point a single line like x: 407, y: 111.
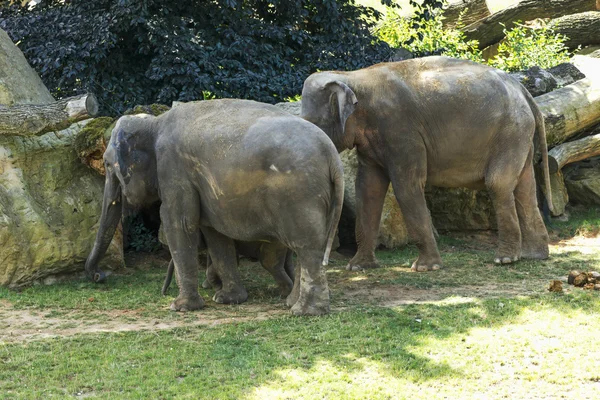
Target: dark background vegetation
x: 142, y: 52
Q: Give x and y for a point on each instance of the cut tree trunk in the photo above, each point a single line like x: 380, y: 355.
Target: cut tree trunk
x: 570, y: 110
x: 489, y: 31
x: 35, y: 120
x: 581, y: 29
x: 570, y: 152
x: 475, y: 10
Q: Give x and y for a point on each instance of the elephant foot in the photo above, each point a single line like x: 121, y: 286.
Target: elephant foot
x: 184, y: 304
x: 540, y: 252
x: 237, y: 296
x: 285, y: 291
x: 359, y: 263
x: 314, y: 302
x: 206, y: 284
x: 418, y: 267
x: 505, y: 260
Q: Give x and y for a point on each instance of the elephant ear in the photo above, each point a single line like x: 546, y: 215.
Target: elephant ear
x: 123, y: 150
x: 342, y: 102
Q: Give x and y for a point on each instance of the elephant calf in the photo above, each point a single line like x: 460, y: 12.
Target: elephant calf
x: 232, y: 170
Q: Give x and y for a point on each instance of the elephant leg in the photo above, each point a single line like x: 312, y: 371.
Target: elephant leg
x: 501, y: 187
x: 311, y: 285
x: 224, y: 260
x: 534, y: 236
x: 212, y: 279
x: 410, y: 194
x: 371, y: 186
x: 289, y: 264
x: 183, y: 236
x: 273, y: 258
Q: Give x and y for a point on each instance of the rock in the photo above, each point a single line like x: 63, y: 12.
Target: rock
x: 572, y: 275
x: 580, y: 280
x: 50, y: 202
x: 582, y: 180
x: 597, y: 286
x: 595, y: 275
x: 536, y: 80
x: 19, y: 83
x: 566, y: 73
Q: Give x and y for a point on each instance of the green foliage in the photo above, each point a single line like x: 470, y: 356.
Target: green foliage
x: 152, y: 51
x: 427, y: 37
x: 142, y: 238
x: 525, y: 47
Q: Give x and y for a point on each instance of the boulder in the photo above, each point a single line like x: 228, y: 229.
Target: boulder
x: 50, y: 202
x: 583, y: 182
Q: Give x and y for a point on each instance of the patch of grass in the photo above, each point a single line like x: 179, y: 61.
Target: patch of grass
x: 515, y: 347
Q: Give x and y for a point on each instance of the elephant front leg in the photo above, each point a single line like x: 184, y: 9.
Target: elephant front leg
x: 310, y: 295
x: 371, y: 187
x: 410, y: 195
x: 180, y: 216
x: 224, y: 261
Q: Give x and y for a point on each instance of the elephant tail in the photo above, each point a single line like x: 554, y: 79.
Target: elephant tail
x: 540, y: 132
x: 336, y: 172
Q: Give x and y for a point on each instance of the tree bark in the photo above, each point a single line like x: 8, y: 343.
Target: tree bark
x: 570, y: 152
x: 570, y: 110
x: 581, y: 29
x: 489, y: 31
x: 476, y: 10
x: 30, y: 120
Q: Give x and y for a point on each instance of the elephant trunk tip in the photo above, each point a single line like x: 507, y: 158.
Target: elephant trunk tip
x: 99, y: 276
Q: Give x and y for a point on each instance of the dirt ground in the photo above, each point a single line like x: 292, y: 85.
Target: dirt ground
x: 18, y: 325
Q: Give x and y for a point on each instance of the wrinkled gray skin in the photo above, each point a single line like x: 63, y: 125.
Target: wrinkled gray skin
x: 448, y: 122
x: 278, y: 263
x: 231, y: 170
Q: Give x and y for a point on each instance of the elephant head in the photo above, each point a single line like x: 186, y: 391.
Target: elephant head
x: 131, y: 176
x: 328, y: 102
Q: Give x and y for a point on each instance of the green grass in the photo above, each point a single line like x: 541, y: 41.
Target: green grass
x: 472, y: 330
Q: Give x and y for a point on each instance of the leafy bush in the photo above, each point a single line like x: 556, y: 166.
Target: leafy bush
x: 148, y: 51
x: 427, y: 37
x: 525, y: 47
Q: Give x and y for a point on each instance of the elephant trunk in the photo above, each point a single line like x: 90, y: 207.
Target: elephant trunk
x: 109, y: 219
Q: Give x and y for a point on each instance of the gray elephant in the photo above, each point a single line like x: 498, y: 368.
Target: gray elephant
x: 448, y: 122
x: 278, y: 263
x: 229, y: 169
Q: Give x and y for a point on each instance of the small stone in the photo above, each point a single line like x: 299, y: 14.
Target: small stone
x: 589, y: 286
x: 595, y: 275
x: 597, y: 286
x: 556, y: 287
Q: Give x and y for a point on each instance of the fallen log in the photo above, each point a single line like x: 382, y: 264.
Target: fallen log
x: 570, y: 152
x: 35, y: 120
x: 570, y: 110
x: 475, y: 10
x: 489, y: 31
x: 581, y: 29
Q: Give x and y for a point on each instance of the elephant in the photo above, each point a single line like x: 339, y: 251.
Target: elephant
x: 278, y: 263
x: 230, y: 170
x: 442, y: 121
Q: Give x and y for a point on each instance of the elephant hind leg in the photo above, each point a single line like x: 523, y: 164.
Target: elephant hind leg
x: 273, y: 258
x: 534, y: 242
x: 310, y: 295
x: 501, y: 184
